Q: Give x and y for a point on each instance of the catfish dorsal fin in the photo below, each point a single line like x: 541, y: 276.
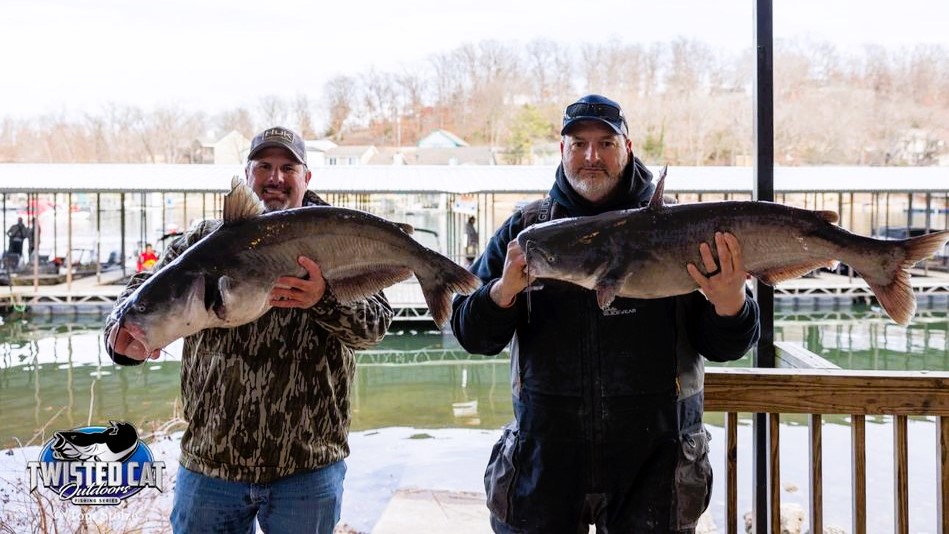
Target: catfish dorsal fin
x: 241, y: 202
x: 656, y: 201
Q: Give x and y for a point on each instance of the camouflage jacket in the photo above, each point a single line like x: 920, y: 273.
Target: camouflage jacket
x: 269, y: 398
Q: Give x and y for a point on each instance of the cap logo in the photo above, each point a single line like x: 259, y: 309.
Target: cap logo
x: 279, y: 132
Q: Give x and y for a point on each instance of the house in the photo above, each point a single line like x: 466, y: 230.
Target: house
x: 316, y: 150
x: 468, y: 155
x: 350, y: 155
x: 463, y: 155
x: 441, y: 139
x: 230, y: 149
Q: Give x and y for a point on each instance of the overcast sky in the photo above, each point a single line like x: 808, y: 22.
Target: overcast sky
x: 74, y: 56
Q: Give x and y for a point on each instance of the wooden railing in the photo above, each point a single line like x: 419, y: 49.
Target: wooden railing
x: 826, y: 391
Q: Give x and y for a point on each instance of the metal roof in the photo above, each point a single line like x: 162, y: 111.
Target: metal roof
x: 132, y: 178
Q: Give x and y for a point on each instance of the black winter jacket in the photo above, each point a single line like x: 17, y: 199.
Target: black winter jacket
x: 567, y: 346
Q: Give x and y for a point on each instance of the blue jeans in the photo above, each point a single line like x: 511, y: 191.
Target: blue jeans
x: 303, y: 502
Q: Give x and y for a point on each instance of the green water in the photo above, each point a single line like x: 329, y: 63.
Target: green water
x: 54, y: 373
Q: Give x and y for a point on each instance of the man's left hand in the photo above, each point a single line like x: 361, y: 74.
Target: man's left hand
x: 724, y: 286
x: 293, y: 292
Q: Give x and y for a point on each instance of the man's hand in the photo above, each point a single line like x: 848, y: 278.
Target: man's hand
x: 513, y: 278
x: 124, y: 343
x: 293, y: 292
x: 724, y: 287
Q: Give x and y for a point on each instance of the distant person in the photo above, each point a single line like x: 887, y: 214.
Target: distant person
x: 33, y: 235
x: 608, y: 402
x: 147, y: 259
x: 17, y: 233
x: 471, y: 241
x: 268, y: 402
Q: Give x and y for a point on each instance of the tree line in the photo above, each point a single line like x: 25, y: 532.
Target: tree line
x: 686, y: 104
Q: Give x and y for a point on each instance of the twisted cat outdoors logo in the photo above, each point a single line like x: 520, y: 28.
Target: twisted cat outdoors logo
x: 96, y: 465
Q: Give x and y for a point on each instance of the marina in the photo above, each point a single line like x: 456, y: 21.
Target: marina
x: 847, y: 378
x: 97, y: 294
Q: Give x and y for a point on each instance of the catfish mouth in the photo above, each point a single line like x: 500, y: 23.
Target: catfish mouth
x: 538, y: 258
x: 137, y: 332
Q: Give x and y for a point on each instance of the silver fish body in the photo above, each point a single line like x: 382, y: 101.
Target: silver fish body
x: 225, y: 279
x: 643, y: 253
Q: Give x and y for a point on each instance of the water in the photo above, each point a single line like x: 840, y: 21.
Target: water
x: 54, y: 374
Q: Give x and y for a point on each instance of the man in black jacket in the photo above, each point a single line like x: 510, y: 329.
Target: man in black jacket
x: 607, y: 403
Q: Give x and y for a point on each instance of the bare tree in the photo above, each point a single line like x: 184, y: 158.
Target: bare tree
x: 238, y: 119
x: 686, y: 104
x: 549, y: 70
x: 169, y: 132
x: 381, y: 104
x: 273, y: 111
x: 302, y: 111
x: 449, y: 88
x: 411, y: 93
x: 339, y: 95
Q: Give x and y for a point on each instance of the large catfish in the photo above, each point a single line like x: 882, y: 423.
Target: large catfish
x: 225, y: 279
x: 642, y: 253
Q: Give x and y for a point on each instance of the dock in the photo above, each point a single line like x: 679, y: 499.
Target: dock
x: 97, y: 294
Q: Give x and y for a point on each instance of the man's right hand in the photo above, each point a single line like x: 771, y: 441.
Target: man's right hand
x: 513, y: 278
x: 125, y: 344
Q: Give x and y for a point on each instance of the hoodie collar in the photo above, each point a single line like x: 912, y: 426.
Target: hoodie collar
x: 634, y: 191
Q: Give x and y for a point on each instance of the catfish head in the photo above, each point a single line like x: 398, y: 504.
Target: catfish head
x: 564, y: 249
x: 171, y: 304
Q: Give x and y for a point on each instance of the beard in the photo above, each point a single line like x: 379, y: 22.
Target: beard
x: 275, y: 205
x: 593, y: 186
x: 275, y: 198
x: 595, y: 183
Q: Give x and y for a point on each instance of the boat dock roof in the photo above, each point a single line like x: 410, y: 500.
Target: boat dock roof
x: 460, y: 179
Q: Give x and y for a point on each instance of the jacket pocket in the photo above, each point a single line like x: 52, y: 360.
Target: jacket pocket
x: 500, y: 473
x: 693, y: 479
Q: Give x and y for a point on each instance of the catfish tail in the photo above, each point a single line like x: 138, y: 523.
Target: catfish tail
x: 896, y: 296
x: 440, y: 282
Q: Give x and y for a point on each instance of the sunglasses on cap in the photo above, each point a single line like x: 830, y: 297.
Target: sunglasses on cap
x: 601, y: 111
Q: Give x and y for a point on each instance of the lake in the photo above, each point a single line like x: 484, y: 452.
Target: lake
x: 55, y: 374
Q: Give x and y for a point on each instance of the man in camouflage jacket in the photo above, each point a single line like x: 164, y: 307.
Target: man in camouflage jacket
x: 267, y: 403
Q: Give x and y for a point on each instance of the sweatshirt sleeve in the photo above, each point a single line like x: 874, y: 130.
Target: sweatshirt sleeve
x: 359, y: 324
x: 480, y: 325
x: 720, y: 338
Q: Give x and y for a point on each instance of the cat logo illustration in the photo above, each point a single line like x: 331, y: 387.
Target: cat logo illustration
x: 96, y: 465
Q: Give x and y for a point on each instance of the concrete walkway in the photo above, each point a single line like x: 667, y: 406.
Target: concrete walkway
x: 434, y: 511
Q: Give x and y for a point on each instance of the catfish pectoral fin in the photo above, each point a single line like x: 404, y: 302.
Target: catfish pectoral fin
x: 220, y: 305
x: 606, y: 291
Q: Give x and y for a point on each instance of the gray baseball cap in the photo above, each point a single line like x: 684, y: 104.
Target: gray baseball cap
x: 278, y: 136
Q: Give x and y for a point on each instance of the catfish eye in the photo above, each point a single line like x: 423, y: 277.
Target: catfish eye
x: 139, y: 308
x: 551, y: 258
